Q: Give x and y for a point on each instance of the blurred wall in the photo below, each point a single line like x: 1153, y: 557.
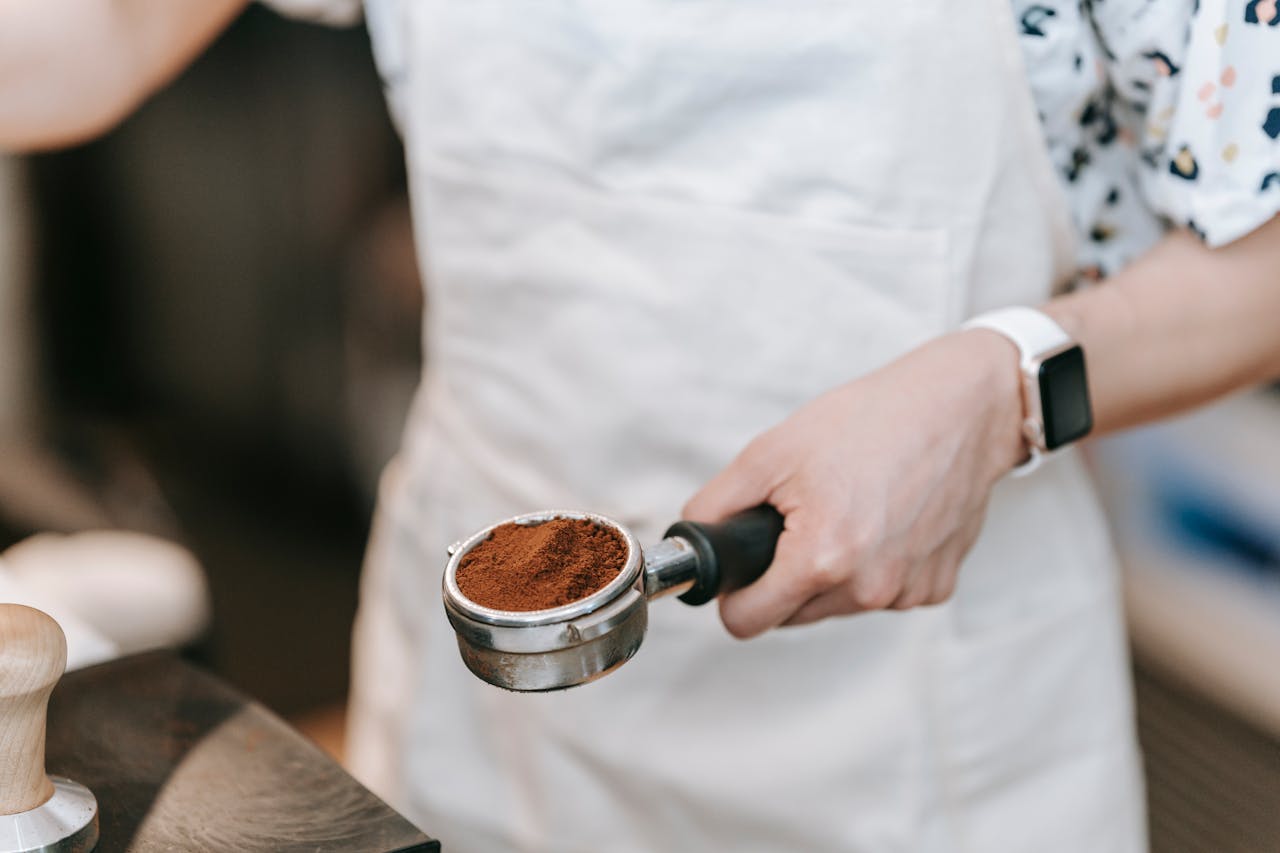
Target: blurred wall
x: 15, y: 311
x: 194, y: 259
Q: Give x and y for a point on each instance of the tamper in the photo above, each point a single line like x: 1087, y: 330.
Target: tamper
x: 37, y: 812
x: 566, y: 646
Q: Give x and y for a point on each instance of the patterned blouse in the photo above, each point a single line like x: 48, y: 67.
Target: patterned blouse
x: 1157, y: 112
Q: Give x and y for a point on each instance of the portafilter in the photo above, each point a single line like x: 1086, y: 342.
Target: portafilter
x: 578, y: 642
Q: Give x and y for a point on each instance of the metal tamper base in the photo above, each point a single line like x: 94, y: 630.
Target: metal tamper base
x: 65, y: 823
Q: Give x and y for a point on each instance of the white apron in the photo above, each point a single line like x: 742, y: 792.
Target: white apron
x: 650, y: 230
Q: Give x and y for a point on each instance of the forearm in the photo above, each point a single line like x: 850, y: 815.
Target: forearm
x: 71, y: 69
x: 1179, y: 327
x: 881, y: 510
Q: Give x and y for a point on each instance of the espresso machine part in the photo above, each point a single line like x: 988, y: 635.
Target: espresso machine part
x: 37, y: 812
x: 578, y: 642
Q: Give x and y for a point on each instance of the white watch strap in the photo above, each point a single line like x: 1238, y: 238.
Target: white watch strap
x: 1031, y: 331
x: 1035, y: 334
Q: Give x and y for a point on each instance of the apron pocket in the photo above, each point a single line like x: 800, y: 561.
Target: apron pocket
x: 594, y: 299
x: 624, y: 347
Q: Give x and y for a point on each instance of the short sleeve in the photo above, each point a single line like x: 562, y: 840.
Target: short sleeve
x: 336, y: 13
x: 1211, y: 140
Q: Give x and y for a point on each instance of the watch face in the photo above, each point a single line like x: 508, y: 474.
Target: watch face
x: 1064, y: 398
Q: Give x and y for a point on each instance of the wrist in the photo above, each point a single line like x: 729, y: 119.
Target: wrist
x: 995, y: 363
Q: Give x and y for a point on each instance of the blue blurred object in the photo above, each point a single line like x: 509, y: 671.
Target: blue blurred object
x: 1207, y: 486
x: 1208, y: 524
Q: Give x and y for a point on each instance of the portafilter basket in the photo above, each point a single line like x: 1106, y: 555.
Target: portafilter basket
x: 578, y: 642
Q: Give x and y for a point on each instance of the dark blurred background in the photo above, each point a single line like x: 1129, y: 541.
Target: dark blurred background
x: 226, y: 304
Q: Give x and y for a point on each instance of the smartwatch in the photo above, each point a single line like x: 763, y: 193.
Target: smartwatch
x: 1055, y: 388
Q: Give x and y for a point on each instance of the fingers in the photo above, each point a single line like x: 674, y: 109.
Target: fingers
x: 931, y: 582
x: 944, y: 584
x: 824, y: 606
x: 948, y: 571
x: 840, y: 602
x: 803, y: 587
x: 780, y: 591
x: 865, y: 592
x: 917, y: 592
x: 745, y: 482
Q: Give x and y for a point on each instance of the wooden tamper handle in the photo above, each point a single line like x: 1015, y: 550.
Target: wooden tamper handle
x: 33, y: 654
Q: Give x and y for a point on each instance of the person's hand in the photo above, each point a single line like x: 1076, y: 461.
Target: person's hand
x: 883, y: 482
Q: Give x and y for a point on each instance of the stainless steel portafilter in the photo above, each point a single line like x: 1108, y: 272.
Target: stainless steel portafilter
x: 579, y: 642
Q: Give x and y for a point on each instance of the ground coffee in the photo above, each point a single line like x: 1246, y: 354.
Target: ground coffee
x: 539, y: 566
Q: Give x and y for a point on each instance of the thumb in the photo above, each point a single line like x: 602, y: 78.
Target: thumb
x: 747, y: 481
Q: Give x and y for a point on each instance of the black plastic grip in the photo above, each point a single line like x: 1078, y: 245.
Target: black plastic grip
x: 731, y: 554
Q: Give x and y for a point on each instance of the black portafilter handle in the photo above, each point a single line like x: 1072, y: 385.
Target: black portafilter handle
x: 732, y: 553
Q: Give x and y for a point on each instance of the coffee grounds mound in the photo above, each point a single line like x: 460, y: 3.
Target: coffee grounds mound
x: 539, y: 566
